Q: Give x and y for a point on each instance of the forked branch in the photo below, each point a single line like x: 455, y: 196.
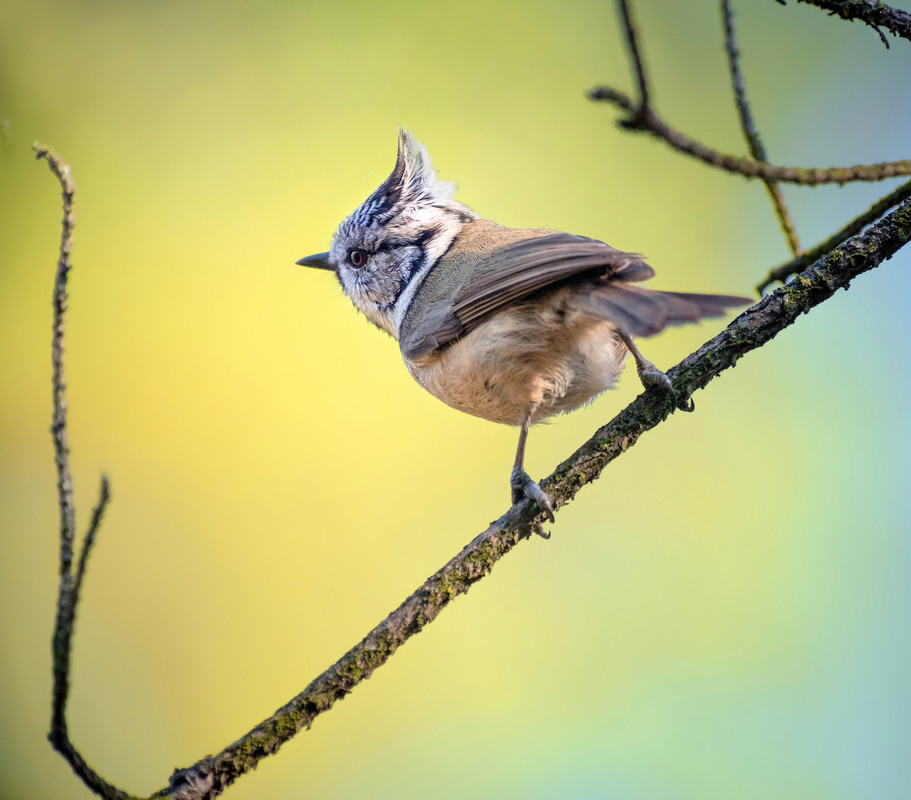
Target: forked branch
x: 70, y: 579
x: 855, y: 226
x: 649, y: 121
x: 642, y: 117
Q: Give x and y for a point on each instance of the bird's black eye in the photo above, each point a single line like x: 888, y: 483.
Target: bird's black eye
x: 357, y: 258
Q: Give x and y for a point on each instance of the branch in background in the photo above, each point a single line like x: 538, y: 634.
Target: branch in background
x: 751, y: 330
x: 806, y: 176
x: 58, y: 427
x: 749, y: 128
x: 70, y: 583
x: 642, y: 117
x: 875, y: 14
x: 854, y: 227
x: 632, y: 46
x: 104, y: 497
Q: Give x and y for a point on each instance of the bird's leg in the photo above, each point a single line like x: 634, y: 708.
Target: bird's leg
x: 522, y: 484
x: 650, y: 375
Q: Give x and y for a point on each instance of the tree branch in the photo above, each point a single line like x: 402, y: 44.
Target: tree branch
x: 643, y: 118
x: 632, y: 47
x: 104, y: 497
x: 752, y: 329
x: 58, y: 426
x: 750, y: 133
x: 649, y: 121
x: 875, y: 14
x: 70, y: 583
x: 854, y: 227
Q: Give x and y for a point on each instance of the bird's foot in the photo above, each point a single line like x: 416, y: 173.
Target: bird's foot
x: 650, y: 375
x: 523, y: 486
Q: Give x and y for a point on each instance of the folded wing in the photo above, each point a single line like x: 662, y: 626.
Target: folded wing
x: 524, y: 266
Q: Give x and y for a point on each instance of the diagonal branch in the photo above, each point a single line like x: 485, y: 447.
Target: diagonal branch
x: 751, y: 330
x: 751, y: 134
x: 854, y: 227
x: 875, y: 14
x: 648, y: 120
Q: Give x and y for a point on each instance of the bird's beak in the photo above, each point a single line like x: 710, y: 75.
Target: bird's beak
x: 320, y: 261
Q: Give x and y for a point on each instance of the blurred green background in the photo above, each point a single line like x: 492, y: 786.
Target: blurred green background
x: 724, y: 614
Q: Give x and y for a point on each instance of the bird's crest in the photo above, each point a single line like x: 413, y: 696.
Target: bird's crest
x: 411, y: 187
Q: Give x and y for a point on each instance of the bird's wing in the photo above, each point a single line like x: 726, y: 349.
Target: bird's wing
x: 524, y: 267
x: 510, y: 272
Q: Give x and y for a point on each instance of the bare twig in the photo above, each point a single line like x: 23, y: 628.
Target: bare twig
x: 875, y: 14
x: 632, y: 46
x: 854, y: 227
x: 749, y: 331
x: 747, y: 167
x: 58, y: 426
x: 749, y: 127
x: 70, y: 583
x: 104, y: 497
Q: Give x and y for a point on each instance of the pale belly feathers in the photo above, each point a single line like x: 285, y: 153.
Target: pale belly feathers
x: 542, y: 355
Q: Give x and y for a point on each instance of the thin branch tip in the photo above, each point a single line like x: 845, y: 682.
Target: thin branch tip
x: 750, y: 131
x: 638, y: 63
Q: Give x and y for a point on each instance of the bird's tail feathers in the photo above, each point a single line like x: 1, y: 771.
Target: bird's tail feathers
x: 645, y: 312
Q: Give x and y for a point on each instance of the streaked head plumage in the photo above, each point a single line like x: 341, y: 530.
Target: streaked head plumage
x: 396, y: 234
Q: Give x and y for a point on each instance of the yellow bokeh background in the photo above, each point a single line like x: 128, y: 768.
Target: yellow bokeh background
x: 723, y: 614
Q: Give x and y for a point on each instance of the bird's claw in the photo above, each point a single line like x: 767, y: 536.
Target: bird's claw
x: 523, y: 486
x: 539, y: 529
x: 650, y: 375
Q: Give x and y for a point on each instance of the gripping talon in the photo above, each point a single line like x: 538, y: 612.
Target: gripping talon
x: 524, y: 486
x: 539, y: 529
x: 650, y: 375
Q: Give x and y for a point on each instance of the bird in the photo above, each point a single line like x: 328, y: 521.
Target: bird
x: 513, y: 325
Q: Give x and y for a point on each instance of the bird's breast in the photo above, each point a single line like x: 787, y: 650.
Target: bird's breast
x: 540, y: 354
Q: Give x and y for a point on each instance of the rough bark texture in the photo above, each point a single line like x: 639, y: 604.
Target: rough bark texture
x: 871, y: 12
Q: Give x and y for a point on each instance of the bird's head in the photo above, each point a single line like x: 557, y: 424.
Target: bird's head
x: 393, y: 238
